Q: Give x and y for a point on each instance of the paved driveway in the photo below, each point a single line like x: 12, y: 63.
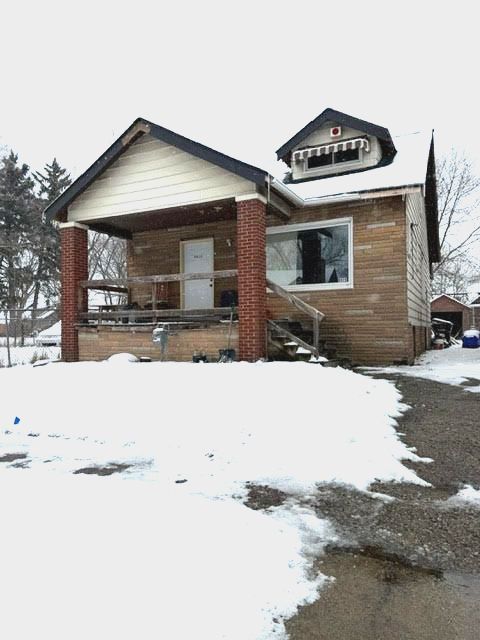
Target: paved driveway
x: 407, y: 565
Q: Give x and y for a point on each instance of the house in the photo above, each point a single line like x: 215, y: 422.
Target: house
x: 345, y: 242
x: 448, y: 308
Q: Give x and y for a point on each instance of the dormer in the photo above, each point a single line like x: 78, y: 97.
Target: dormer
x: 335, y: 143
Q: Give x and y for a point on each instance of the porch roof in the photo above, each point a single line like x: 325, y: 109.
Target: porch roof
x: 57, y: 210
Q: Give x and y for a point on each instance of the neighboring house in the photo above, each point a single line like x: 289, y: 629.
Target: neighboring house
x: 50, y: 337
x: 448, y: 308
x: 475, y: 307
x: 45, y: 318
x: 22, y: 324
x: 347, y: 238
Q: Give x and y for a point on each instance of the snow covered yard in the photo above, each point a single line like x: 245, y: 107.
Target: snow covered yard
x: 27, y: 354
x: 168, y: 547
x: 454, y: 365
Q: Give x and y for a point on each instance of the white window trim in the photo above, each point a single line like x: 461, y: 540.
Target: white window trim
x: 334, y: 167
x: 326, y: 286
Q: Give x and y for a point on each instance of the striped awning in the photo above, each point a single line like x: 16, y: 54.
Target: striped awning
x: 354, y: 143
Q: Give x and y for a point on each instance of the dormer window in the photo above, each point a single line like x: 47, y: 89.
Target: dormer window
x: 349, y: 155
x: 335, y: 143
x: 325, y: 158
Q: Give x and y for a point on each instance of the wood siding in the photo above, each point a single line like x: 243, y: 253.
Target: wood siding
x: 153, y: 175
x: 418, y: 268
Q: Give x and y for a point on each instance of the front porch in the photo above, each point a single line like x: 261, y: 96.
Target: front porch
x: 200, y: 311
x: 201, y: 333
x: 190, y: 333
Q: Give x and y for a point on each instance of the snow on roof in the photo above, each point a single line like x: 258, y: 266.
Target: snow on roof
x: 54, y: 330
x: 409, y: 167
x: 44, y: 314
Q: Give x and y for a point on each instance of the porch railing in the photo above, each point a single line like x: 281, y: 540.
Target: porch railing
x: 147, y: 315
x: 124, y: 313
x: 170, y: 277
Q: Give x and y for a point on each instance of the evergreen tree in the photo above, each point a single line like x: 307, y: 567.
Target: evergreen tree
x: 17, y: 202
x: 51, y: 183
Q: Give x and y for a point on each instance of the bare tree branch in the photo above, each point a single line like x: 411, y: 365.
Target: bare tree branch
x: 458, y: 213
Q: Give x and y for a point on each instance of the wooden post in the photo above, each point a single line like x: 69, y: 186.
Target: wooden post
x: 316, y: 333
x: 154, y: 296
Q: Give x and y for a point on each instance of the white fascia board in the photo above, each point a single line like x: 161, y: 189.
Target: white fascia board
x: 72, y: 225
x: 251, y: 196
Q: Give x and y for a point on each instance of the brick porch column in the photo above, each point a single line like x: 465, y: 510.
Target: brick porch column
x: 251, y: 264
x: 74, y: 268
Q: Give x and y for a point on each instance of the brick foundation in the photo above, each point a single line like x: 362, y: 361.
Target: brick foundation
x: 74, y: 268
x: 98, y: 343
x: 251, y: 260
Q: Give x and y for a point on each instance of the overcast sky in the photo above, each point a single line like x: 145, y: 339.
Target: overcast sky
x: 241, y: 76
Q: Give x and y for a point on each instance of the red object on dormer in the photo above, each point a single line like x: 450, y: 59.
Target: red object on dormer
x: 335, y: 132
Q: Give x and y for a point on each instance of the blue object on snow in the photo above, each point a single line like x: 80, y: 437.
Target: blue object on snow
x: 17, y: 420
x: 470, y: 341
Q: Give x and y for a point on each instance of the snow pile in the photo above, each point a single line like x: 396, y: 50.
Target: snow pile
x: 454, y: 366
x: 168, y: 548
x: 466, y: 496
x: 122, y: 358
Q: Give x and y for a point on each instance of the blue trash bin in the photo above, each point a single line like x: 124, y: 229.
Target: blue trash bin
x: 471, y: 339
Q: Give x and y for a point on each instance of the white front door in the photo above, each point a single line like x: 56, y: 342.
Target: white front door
x: 197, y: 257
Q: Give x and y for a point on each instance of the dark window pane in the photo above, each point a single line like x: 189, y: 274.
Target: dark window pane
x: 313, y: 256
x: 310, y: 249
x: 320, y: 161
x: 349, y: 155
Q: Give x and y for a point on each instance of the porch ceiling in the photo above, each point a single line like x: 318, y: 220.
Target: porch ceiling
x: 125, y: 225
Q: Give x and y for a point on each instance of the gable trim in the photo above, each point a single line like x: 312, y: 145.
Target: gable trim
x: 58, y: 208
x: 283, y: 152
x: 445, y: 295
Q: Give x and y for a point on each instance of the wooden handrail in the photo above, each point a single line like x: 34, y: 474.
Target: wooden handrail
x: 302, y: 306
x: 118, y: 314
x: 171, y: 277
x: 297, y: 302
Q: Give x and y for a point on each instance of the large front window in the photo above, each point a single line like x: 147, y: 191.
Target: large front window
x: 310, y: 256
